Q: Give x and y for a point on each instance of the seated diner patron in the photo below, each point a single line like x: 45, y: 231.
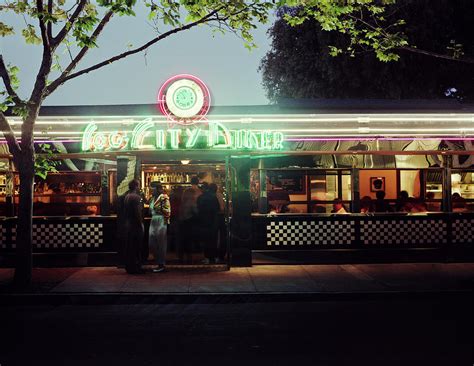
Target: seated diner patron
x: 381, y: 205
x: 338, y: 207
x: 278, y: 198
x: 366, y: 205
x: 458, y: 202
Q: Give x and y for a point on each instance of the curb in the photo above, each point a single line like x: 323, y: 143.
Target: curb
x: 57, y: 299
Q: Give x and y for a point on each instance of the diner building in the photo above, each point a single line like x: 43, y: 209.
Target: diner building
x: 300, y: 179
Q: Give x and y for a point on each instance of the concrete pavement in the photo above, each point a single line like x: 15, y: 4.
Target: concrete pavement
x: 257, y: 280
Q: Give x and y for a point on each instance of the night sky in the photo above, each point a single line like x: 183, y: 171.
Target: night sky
x: 228, y: 68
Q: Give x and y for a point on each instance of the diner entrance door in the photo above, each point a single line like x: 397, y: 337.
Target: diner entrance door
x: 198, y: 230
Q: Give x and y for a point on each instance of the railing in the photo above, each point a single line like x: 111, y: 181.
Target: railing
x: 303, y: 232
x: 281, y: 232
x: 64, y: 234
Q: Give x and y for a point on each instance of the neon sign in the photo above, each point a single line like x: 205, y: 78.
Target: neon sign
x: 184, y: 99
x: 213, y: 135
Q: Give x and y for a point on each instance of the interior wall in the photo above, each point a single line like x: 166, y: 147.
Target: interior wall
x: 390, y: 182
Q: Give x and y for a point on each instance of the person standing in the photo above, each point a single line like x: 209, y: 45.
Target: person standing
x: 208, y: 208
x: 160, y: 210
x: 221, y: 225
x: 133, y: 225
x: 173, y: 228
x: 188, y: 225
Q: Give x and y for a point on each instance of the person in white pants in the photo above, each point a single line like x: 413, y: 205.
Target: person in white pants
x: 160, y: 210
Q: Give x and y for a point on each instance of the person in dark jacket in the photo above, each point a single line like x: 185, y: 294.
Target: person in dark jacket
x: 380, y: 204
x: 133, y: 223
x: 208, y: 209
x: 188, y: 224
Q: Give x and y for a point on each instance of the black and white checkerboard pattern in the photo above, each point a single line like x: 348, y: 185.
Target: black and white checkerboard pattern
x: 57, y: 235
x: 3, y: 237
x: 463, y: 231
x: 310, y: 233
x: 391, y: 232
x: 13, y: 237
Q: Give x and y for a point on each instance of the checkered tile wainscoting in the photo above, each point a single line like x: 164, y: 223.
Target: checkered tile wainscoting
x: 13, y: 237
x: 83, y: 235
x: 403, y: 232
x: 287, y: 233
x: 5, y: 242
x: 463, y: 231
x: 3, y: 237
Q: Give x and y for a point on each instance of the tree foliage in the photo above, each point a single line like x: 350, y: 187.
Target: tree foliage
x: 306, y: 61
x: 376, y: 26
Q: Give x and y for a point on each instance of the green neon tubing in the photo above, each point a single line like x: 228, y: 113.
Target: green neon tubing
x: 139, y: 134
x: 87, y: 136
x: 193, y: 136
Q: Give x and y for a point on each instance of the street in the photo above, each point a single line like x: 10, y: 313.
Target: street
x: 405, y: 330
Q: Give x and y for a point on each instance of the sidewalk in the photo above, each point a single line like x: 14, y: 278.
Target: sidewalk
x: 257, y: 280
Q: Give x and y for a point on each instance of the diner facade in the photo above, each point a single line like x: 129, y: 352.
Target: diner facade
x: 299, y: 178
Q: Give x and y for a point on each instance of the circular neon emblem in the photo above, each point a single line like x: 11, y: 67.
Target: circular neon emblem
x: 184, y: 99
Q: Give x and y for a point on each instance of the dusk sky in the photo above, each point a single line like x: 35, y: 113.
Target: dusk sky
x: 221, y: 61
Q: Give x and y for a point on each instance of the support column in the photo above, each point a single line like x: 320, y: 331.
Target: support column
x: 104, y: 199
x: 355, y: 187
x: 447, y: 165
x: 262, y: 197
x: 241, y: 224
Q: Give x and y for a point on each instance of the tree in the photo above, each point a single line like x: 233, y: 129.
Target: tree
x: 375, y: 26
x: 75, y: 27
x: 302, y: 62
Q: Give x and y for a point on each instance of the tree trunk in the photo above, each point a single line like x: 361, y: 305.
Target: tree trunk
x: 24, y: 259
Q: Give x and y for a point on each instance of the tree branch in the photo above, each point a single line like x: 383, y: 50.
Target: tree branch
x: 70, y: 22
x: 62, y: 80
x: 7, y: 7
x: 8, y: 84
x: 80, y: 55
x: 49, y: 25
x: 5, y: 127
x: 467, y: 60
x: 44, y: 33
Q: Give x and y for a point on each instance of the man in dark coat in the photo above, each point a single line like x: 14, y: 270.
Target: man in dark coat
x: 208, y: 209
x: 133, y: 224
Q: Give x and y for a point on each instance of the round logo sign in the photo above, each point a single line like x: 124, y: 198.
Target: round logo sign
x: 184, y: 99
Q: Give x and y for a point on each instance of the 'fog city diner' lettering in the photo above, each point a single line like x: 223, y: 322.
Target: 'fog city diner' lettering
x: 211, y: 135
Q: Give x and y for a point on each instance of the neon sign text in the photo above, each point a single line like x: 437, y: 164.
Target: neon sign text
x: 213, y: 135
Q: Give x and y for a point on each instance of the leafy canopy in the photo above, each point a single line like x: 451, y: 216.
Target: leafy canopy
x: 302, y: 64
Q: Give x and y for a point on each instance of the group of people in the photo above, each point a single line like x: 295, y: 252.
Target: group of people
x: 194, y: 216
x: 404, y: 203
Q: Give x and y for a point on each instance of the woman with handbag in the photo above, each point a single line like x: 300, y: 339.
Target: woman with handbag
x: 160, y: 210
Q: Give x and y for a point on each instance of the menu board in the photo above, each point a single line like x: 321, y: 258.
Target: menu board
x: 292, y: 181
